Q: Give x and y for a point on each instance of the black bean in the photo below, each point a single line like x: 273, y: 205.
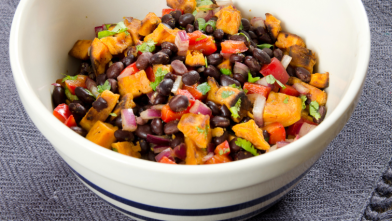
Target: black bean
x: 196, y: 24
x: 201, y: 69
x: 171, y: 22
x: 123, y: 135
x: 225, y: 112
x: 166, y: 17
x: 190, y: 78
x: 168, y: 45
x: 176, y: 15
x: 84, y: 69
x: 132, y: 53
x: 171, y: 76
x: 252, y: 35
x: 278, y: 54
x: 190, y: 28
x: 237, y: 58
x: 164, y: 88
x: 179, y: 103
x: 214, y: 108
x: 227, y: 81
x: 215, y: 59
x: 144, y: 146
x: 178, y: 57
x: 322, y: 111
x: 252, y: 64
x: 186, y: 19
x: 302, y: 74
x: 265, y: 38
x: 245, y: 24
x: 218, y: 140
x: 160, y: 58
x: 58, y: 96
x: 130, y: 59
x: 86, y: 106
x: 142, y: 100
x: 266, y: 135
x: 219, y: 121
x: 79, y: 131
x: 100, y: 104
x: 159, y: 99
x: 269, y: 52
x: 263, y: 35
x: 166, y: 51
x: 143, y: 60
x: 209, y: 30
x: 246, y: 119
x: 151, y: 156
x: 242, y: 154
x: 143, y: 130
x: 118, y: 122
x: 291, y: 71
x: 77, y: 110
x: 238, y: 38
x: 234, y: 148
x: 255, y: 41
x: 171, y: 128
x: 113, y: 85
x: 178, y: 139
x: 261, y: 56
x: 115, y: 70
x: 84, y: 95
x: 212, y: 71
x: 137, y: 110
x: 101, y: 79
x: 92, y: 76
x: 157, y: 126
x: 213, y: 18
x: 218, y: 35
x: 309, y: 99
x: 241, y: 78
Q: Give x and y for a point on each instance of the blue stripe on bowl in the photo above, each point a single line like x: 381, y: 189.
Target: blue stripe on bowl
x: 191, y: 212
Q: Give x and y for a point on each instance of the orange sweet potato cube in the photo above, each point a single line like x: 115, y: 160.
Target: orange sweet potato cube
x: 286, y: 40
x: 80, y: 49
x: 118, y: 43
x: 136, y: 84
x: 100, y: 56
x: 127, y: 148
x: 251, y: 132
x: 282, y: 108
x: 273, y: 26
x: 149, y: 23
x: 229, y: 20
x: 319, y: 80
x: 197, y: 128
x: 102, y: 134
x: 194, y: 155
x: 162, y: 34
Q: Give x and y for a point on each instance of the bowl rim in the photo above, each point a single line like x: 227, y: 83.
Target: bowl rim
x: 45, y: 116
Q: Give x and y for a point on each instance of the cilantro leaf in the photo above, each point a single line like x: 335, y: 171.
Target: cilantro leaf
x: 252, y: 79
x: 88, y: 92
x: 245, y: 91
x: 303, y: 99
x: 234, y: 110
x: 108, y: 26
x: 201, y: 38
x: 202, y: 23
x: 241, y: 27
x: 159, y: 75
x: 203, y: 2
x: 113, y: 114
x: 212, y: 23
x: 226, y: 94
x: 225, y: 71
x: 70, y: 96
x: 235, y: 86
x: 67, y: 77
x: 271, y: 80
x: 194, y: 14
x: 120, y: 27
x: 148, y: 46
x: 244, y: 35
x: 205, y: 58
x: 286, y: 100
x: 204, y: 88
x: 104, y: 87
x: 313, y: 110
x: 115, y: 150
x: 246, y: 145
x: 265, y: 46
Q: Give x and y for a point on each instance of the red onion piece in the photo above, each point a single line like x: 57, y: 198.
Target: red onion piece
x: 208, y: 156
x: 301, y: 89
x: 128, y: 120
x: 182, y: 43
x: 226, y: 55
x: 263, y: 82
x: 224, y: 3
x: 207, y: 15
x: 258, y: 110
x: 180, y: 151
x: 305, y: 129
x: 257, y: 22
x: 179, y: 67
x: 141, y: 121
x: 92, y: 86
x: 56, y: 84
x: 240, y: 68
x: 210, y: 148
x: 281, y: 144
x: 252, y: 97
x: 177, y: 85
x: 98, y: 29
x: 286, y: 61
x: 158, y: 107
x: 165, y: 153
x: 159, y: 149
x: 150, y: 114
x: 200, y: 108
x: 149, y: 95
x: 273, y: 148
x: 157, y: 140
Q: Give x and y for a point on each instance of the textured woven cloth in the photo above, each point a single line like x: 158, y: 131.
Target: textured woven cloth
x: 349, y: 182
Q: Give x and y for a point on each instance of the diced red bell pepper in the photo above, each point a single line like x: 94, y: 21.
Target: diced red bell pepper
x: 79, y: 82
x: 169, y: 115
x: 276, y: 69
x: 62, y: 112
x: 166, y: 11
x: 150, y: 74
x: 289, y: 90
x: 296, y: 127
x: 195, y: 93
x: 70, y: 122
x: 219, y: 159
x: 165, y: 159
x: 197, y: 37
x: 257, y: 89
x: 130, y: 70
x: 230, y: 47
x: 188, y: 95
x: 203, y: 43
x: 276, y: 131
x: 223, y: 148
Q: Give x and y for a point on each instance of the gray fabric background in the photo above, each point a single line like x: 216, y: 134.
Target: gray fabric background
x: 36, y: 184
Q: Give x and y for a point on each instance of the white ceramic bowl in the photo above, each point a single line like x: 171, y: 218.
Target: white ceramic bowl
x: 44, y: 31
